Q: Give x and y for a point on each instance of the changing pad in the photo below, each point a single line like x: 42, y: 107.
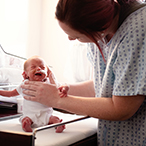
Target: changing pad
x: 74, y: 132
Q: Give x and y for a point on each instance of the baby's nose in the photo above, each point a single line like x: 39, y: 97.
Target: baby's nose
x: 38, y: 68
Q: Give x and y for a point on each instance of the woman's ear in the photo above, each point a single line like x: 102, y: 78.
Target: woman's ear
x: 24, y: 74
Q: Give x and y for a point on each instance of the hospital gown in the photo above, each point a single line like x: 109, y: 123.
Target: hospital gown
x: 123, y: 74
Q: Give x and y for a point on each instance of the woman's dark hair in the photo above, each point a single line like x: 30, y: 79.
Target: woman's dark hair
x: 123, y: 2
x: 88, y: 16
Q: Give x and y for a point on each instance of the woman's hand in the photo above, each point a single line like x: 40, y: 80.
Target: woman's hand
x: 42, y: 92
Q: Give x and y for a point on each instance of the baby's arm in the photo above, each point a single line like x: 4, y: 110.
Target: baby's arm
x: 63, y: 90
x: 9, y: 93
x: 54, y: 120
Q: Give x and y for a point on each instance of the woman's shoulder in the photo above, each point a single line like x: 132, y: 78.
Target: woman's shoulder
x: 128, y: 10
x: 133, y: 24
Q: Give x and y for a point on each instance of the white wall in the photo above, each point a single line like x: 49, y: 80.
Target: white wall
x: 29, y: 27
x: 13, y: 25
x: 54, y: 42
x: 33, y: 27
x: 45, y: 37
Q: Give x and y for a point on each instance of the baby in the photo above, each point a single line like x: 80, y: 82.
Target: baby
x: 34, y: 113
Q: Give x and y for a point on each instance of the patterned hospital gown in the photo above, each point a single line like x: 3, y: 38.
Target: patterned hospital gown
x: 123, y: 74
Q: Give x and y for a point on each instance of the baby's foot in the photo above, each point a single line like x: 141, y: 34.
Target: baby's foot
x: 26, y: 124
x: 59, y: 129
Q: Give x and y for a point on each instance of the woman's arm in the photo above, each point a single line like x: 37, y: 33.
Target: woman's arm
x: 115, y: 108
x: 85, y: 89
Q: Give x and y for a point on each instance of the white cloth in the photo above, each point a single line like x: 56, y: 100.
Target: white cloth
x: 37, y: 112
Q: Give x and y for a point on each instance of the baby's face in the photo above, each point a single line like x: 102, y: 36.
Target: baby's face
x: 36, y: 70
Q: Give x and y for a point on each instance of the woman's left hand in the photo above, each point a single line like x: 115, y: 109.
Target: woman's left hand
x: 42, y: 92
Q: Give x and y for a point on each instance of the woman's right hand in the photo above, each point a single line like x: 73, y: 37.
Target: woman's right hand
x: 47, y: 94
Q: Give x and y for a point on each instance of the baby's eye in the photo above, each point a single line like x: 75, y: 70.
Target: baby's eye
x: 42, y: 67
x: 32, y: 67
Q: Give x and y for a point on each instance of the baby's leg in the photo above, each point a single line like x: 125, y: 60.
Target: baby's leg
x: 26, y: 124
x: 53, y: 120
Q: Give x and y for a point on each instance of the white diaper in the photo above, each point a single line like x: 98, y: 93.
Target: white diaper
x: 38, y: 113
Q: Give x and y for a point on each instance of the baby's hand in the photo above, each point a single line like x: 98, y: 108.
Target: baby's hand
x: 63, y: 90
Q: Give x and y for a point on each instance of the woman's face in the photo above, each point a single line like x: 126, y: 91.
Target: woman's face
x: 72, y: 34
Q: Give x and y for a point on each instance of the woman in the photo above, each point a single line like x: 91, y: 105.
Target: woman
x: 118, y: 28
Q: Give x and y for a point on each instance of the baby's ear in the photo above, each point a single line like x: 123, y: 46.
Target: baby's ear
x: 24, y: 74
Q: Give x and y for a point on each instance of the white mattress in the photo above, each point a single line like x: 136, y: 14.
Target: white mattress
x: 74, y: 131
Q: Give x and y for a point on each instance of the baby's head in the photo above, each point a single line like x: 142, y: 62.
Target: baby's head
x: 35, y: 69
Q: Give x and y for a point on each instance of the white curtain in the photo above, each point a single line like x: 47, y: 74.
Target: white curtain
x: 77, y: 67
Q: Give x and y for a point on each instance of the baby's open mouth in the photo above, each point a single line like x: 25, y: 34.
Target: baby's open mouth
x: 38, y: 74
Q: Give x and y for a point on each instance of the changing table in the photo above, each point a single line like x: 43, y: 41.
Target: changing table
x: 82, y: 132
